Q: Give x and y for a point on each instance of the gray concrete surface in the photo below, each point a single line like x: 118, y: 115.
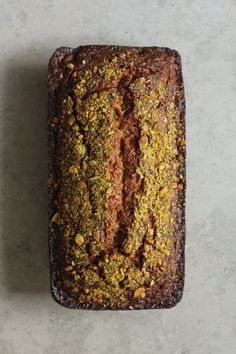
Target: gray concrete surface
x: 204, y: 32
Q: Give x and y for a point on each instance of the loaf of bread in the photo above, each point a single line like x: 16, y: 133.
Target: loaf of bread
x: 116, y: 118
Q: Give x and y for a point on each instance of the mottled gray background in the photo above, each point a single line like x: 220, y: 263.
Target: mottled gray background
x: 204, y: 32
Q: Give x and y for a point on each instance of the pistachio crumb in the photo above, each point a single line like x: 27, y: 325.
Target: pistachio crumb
x: 66, y: 233
x: 73, y: 169
x: 56, y: 218
x: 79, y: 239
x: 70, y: 66
x: 68, y: 268
x: 71, y: 121
x: 151, y: 231
x: 140, y: 292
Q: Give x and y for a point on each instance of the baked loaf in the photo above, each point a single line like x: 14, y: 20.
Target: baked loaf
x: 116, y: 118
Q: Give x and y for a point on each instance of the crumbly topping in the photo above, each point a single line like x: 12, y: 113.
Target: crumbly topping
x: 103, y: 261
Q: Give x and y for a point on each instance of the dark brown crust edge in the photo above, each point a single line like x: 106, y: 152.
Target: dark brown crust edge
x: 54, y: 65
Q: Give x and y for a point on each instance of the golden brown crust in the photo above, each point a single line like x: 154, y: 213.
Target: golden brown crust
x: 116, y: 209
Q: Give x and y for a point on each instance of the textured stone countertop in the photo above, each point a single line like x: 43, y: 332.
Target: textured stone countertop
x: 204, y: 33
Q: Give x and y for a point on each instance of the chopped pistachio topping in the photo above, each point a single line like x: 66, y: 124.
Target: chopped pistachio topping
x: 90, y: 134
